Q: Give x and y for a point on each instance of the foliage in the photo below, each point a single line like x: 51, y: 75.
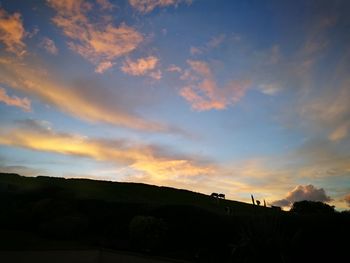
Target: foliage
x: 311, y: 207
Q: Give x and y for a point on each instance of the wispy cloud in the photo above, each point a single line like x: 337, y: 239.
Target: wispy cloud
x: 105, y: 4
x: 174, y: 68
x: 141, y: 67
x: 100, y: 42
x: 158, y: 163
x: 23, y: 103
x: 49, y: 45
x: 12, y: 32
x: 330, y: 109
x: 103, y: 66
x: 83, y: 101
x: 202, y: 91
x: 321, y: 159
x: 214, y: 42
x: 146, y: 6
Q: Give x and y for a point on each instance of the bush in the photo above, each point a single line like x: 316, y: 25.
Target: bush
x: 310, y: 207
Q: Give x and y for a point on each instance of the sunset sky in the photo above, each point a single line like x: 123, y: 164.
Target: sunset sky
x: 236, y: 97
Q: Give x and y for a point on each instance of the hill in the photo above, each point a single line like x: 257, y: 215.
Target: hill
x: 55, y: 213
x: 86, y: 189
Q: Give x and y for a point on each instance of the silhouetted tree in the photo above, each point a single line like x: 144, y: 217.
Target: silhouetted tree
x: 311, y: 207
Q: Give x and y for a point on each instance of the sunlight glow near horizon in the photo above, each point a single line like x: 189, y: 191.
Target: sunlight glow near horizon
x: 233, y: 97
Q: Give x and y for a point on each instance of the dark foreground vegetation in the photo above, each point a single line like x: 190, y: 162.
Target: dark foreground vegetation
x: 55, y: 213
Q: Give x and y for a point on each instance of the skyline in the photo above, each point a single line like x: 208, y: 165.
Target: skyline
x: 233, y: 97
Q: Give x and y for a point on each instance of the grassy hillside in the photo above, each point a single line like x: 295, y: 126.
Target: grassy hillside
x: 56, y: 213
x: 85, y: 189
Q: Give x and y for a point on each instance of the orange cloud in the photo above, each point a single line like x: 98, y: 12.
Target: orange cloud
x: 12, y: 32
x: 202, y: 91
x: 99, y: 42
x: 23, y: 103
x: 146, y: 6
x: 84, y: 103
x: 141, y: 67
x: 150, y: 160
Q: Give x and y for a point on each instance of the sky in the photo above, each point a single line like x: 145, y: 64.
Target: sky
x: 234, y: 97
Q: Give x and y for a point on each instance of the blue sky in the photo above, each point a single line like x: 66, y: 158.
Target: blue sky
x: 239, y: 97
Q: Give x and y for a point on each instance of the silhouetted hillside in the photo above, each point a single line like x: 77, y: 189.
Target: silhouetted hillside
x: 56, y: 213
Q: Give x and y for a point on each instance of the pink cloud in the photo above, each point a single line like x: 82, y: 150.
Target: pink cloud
x: 141, y: 67
x: 23, y: 103
x: 202, y: 91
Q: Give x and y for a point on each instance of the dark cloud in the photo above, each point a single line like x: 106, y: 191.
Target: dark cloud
x: 303, y: 192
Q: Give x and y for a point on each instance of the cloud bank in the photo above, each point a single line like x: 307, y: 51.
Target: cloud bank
x: 158, y: 163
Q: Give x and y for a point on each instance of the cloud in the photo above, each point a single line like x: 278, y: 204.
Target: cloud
x: 23, y: 103
x: 347, y: 199
x: 105, y: 4
x: 270, y: 89
x: 340, y: 132
x: 195, y: 51
x: 12, y: 32
x: 330, y: 110
x: 82, y: 100
x: 49, y: 46
x: 156, y: 162
x: 214, y: 42
x: 146, y: 6
x: 303, y: 192
x: 174, y: 68
x: 321, y: 159
x: 99, y: 42
x: 202, y: 91
x: 142, y: 67
x: 156, y: 74
x: 103, y: 66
